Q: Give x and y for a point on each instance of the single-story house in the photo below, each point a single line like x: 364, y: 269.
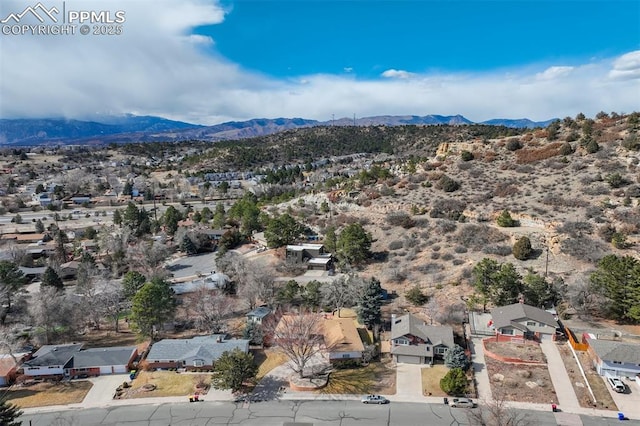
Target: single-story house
x: 342, y: 340
x: 51, y: 360
x: 197, y: 352
x: 258, y: 315
x: 524, y: 321
x: 614, y: 358
x: 415, y: 342
x: 101, y: 361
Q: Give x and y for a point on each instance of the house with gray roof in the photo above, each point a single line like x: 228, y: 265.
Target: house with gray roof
x: 199, y: 352
x: 524, y: 321
x: 614, y: 358
x: 258, y: 315
x: 101, y: 361
x: 415, y: 342
x: 51, y: 360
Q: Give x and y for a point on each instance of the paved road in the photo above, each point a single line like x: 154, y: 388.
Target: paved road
x: 276, y: 413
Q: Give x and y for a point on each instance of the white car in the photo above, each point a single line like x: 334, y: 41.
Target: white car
x: 374, y: 399
x: 616, y: 384
x: 462, y: 403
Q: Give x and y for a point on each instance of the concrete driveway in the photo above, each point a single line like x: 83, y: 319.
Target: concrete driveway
x: 409, y: 382
x: 103, y: 389
x: 628, y: 402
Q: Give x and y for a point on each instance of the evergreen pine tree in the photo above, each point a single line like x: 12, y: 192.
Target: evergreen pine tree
x: 52, y: 279
x: 369, y: 308
x: 9, y: 414
x: 456, y: 358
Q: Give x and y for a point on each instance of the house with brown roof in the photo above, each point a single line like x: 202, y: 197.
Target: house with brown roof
x: 341, y: 339
x: 524, y: 321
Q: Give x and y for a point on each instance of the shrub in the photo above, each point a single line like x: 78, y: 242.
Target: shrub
x: 497, y: 249
x: 505, y: 220
x: 466, y: 156
x: 592, y: 146
x: 631, y: 142
x: 615, y: 180
x: 514, y: 144
x: 400, y: 219
x: 566, y: 149
x: 447, y: 184
x: 522, y: 248
x: 416, y: 296
x: 454, y: 382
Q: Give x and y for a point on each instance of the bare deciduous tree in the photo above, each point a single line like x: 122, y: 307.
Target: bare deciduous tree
x: 148, y: 258
x: 496, y: 413
x: 208, y: 308
x: 50, y: 309
x: 299, y: 337
x: 342, y: 292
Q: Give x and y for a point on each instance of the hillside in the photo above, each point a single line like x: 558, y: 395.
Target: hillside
x: 570, y: 186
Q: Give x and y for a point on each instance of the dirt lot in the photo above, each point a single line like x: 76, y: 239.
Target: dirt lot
x: 525, y: 352
x: 46, y: 393
x: 579, y: 386
x: 523, y: 383
x: 605, y: 402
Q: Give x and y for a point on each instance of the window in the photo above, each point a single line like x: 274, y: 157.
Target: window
x: 198, y: 363
x: 616, y: 362
x: 508, y: 331
x: 531, y: 323
x: 345, y: 356
x: 440, y: 350
x: 402, y: 341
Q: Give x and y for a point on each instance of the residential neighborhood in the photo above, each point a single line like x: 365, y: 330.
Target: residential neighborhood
x: 314, y: 280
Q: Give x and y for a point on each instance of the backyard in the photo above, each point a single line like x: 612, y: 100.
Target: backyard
x: 48, y: 393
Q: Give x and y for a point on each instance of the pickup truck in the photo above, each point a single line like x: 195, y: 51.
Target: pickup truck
x: 616, y: 384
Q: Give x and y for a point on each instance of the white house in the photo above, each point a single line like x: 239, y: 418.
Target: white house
x: 51, y: 360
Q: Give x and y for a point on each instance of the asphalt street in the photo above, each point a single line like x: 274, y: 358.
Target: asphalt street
x: 281, y: 413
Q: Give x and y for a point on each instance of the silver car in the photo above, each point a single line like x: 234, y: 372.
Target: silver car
x: 374, y: 399
x: 462, y: 403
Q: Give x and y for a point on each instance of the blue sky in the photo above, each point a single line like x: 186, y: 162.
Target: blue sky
x: 210, y: 61
x: 298, y: 37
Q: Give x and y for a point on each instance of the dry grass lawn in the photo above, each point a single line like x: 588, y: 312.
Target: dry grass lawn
x: 374, y: 378
x: 605, y: 402
x: 525, y: 352
x: 267, y: 360
x: 44, y: 394
x: 168, y: 383
x: 579, y: 386
x: 431, y: 380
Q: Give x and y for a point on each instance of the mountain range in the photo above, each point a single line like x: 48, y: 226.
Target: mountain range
x: 131, y: 128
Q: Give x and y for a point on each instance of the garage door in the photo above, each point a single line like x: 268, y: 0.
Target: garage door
x: 544, y: 336
x: 409, y: 359
x: 113, y: 369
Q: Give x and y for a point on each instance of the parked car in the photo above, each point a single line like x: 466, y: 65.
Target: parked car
x: 462, y: 403
x: 374, y: 399
x: 616, y: 384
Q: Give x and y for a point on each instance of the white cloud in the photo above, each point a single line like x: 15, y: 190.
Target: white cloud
x: 348, y: 69
x: 627, y: 67
x: 391, y: 73
x: 159, y: 67
x: 554, y: 72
